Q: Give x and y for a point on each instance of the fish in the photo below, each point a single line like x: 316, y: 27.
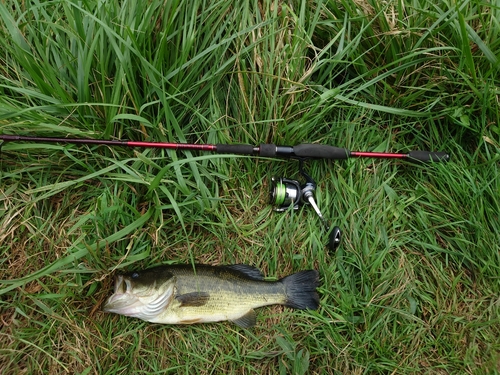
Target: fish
x: 188, y: 294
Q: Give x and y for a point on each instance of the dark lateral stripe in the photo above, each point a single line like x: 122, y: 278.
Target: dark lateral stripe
x: 194, y: 299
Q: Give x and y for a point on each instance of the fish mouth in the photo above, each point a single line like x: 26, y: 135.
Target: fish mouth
x: 121, y: 297
x: 121, y: 285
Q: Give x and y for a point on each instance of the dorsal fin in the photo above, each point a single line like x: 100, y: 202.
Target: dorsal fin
x: 249, y: 271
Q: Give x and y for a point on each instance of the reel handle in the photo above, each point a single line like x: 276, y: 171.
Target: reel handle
x: 334, y: 240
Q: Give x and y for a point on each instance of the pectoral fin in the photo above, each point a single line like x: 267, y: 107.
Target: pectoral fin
x: 246, y: 321
x: 194, y: 299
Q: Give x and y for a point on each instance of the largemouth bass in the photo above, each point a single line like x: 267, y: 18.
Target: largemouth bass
x: 186, y: 294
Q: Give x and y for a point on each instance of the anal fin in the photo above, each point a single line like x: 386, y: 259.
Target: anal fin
x: 246, y: 321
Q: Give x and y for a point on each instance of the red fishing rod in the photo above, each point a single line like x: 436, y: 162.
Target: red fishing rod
x: 301, y: 151
x: 285, y: 193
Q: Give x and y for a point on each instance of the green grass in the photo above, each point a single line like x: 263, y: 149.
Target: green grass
x: 414, y: 287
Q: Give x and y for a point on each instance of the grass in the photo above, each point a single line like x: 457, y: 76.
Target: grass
x: 414, y: 287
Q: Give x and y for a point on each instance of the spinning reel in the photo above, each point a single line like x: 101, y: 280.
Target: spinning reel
x: 287, y: 193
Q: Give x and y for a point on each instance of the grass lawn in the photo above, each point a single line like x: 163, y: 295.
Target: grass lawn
x: 414, y: 287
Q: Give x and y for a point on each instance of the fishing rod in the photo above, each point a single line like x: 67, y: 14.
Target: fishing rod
x: 301, y: 151
x: 284, y: 193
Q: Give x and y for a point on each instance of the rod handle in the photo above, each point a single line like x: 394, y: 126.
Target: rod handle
x: 426, y: 156
x: 239, y: 149
x: 309, y: 150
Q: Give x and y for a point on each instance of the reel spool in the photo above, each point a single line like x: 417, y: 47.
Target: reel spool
x: 288, y: 194
x: 285, y: 193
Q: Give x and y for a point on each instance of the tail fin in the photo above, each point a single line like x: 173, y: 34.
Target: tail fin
x: 300, y: 289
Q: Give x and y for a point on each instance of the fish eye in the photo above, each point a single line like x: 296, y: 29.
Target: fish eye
x: 135, y: 275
